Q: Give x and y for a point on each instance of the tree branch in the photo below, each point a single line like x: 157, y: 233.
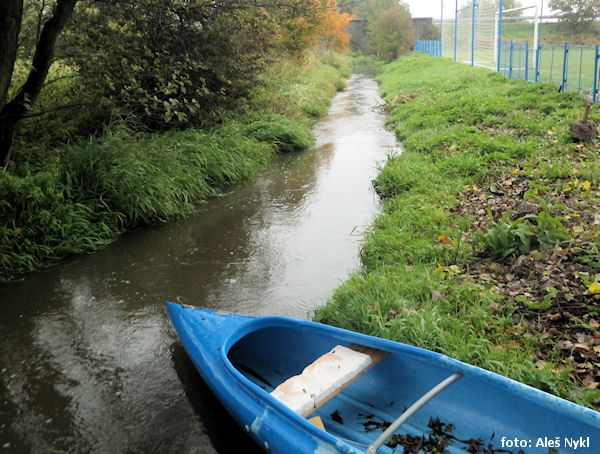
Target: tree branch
x: 12, y: 113
x: 54, y: 109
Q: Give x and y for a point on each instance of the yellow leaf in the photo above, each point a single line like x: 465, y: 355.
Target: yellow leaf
x: 586, y: 185
x: 594, y: 289
x: 453, y: 270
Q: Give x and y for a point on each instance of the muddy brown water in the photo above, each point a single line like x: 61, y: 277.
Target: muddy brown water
x: 88, y: 359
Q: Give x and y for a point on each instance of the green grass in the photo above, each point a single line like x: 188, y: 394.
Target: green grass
x: 461, y: 127
x: 303, y: 91
x: 550, y: 33
x: 283, y: 133
x: 76, y: 198
x: 395, y: 302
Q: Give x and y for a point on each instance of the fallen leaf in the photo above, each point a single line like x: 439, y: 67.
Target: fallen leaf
x: 590, y: 382
x: 443, y: 239
x: 581, y: 346
x: 594, y: 289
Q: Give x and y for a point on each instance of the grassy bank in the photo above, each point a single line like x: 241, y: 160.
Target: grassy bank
x: 487, y: 248
x: 73, y: 199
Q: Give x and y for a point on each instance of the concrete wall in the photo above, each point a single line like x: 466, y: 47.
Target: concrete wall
x: 358, y: 28
x: 422, y: 26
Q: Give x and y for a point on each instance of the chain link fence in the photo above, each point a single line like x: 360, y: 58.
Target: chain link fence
x: 477, y: 36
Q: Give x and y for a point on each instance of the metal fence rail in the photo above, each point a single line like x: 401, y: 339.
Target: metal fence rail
x: 474, y: 37
x: 433, y: 48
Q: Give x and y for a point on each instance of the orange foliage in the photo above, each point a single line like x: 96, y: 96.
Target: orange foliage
x: 320, y: 25
x: 331, y: 32
x: 443, y: 239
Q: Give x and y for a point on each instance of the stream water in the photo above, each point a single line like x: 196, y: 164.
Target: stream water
x: 88, y: 359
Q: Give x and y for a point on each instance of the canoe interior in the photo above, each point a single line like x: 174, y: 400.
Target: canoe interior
x: 474, y: 408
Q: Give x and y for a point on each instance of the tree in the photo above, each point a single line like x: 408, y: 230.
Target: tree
x: 577, y: 15
x: 162, y: 63
x: 494, y: 6
x: 372, y: 9
x: 10, y: 25
x: 392, y: 33
x: 331, y: 32
x: 13, y: 111
x: 506, y: 4
x: 175, y: 63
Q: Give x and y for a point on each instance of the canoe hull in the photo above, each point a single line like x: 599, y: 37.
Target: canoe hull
x: 481, y: 405
x: 207, y: 337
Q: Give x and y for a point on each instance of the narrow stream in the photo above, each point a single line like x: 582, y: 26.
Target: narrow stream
x: 88, y: 360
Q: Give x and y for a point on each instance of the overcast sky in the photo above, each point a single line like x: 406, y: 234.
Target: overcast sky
x: 433, y: 8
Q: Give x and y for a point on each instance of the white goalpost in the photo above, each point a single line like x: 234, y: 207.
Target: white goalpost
x: 481, y: 31
x: 535, y: 18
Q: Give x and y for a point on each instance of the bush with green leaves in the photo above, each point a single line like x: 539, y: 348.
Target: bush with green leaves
x: 507, y: 238
x: 392, y: 33
x: 171, y: 63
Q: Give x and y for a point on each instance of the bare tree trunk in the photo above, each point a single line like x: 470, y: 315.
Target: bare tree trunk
x: 11, y: 12
x: 13, y: 112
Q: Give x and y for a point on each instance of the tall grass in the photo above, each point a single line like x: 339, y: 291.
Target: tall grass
x: 75, y: 198
x: 154, y: 178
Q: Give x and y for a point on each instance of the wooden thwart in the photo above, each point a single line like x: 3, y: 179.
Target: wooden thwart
x: 376, y: 357
x: 326, y: 377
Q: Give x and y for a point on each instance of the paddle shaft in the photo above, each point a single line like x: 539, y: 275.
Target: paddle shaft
x: 411, y: 411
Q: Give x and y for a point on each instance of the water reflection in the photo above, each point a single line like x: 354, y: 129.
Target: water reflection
x: 88, y: 360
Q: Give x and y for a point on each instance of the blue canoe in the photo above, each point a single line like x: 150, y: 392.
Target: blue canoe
x: 380, y: 396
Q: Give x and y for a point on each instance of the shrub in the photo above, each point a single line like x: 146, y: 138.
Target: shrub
x: 524, y: 234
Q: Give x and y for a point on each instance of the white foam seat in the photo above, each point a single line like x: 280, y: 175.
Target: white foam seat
x: 322, y: 379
